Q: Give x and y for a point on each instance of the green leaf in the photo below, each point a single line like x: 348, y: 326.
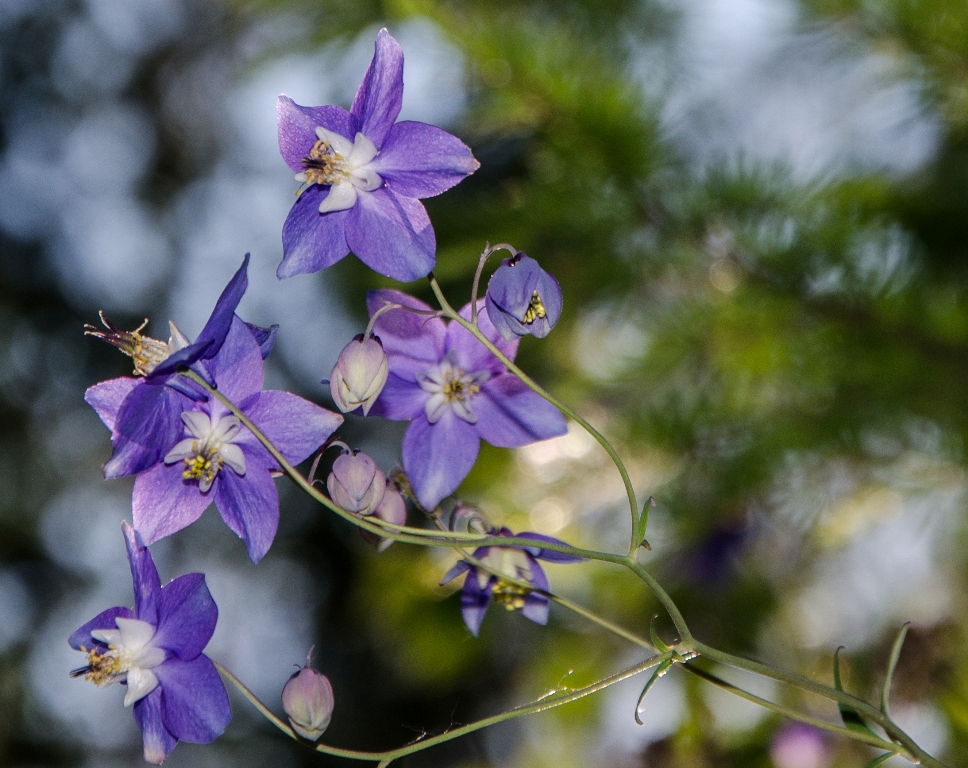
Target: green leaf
x: 879, y: 759
x: 848, y: 714
x: 657, y: 642
x: 643, y: 523
x: 891, y: 665
x: 664, y: 667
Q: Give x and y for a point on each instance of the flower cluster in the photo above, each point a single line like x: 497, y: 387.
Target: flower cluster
x: 195, y: 427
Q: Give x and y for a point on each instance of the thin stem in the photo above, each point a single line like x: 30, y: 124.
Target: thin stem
x: 793, y: 714
x: 686, y: 640
x: 488, y: 250
x: 536, y: 388
x: 555, y: 699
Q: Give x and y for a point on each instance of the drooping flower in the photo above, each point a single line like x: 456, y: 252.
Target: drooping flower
x: 517, y: 562
x: 308, y: 700
x: 364, y: 175
x: 522, y: 298
x: 158, y: 396
x: 156, y: 651
x: 455, y: 392
x: 213, y: 457
x: 356, y: 484
x: 359, y: 374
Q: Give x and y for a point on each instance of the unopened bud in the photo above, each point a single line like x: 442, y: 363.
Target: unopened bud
x: 355, y: 484
x: 308, y: 700
x: 392, y: 509
x: 359, y: 374
x: 522, y: 298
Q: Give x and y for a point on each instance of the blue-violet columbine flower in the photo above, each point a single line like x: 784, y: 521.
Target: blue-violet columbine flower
x: 156, y: 651
x: 522, y: 298
x: 364, y: 175
x: 455, y: 392
x: 517, y: 562
x: 213, y: 457
x: 151, y: 404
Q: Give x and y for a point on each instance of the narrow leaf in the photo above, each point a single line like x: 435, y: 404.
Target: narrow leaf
x: 660, y: 646
x: 848, y: 714
x: 664, y: 667
x: 643, y: 523
x: 891, y: 665
x: 879, y: 759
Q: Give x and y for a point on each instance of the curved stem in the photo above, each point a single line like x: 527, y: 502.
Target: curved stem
x: 488, y: 250
x: 555, y: 699
x: 472, y: 328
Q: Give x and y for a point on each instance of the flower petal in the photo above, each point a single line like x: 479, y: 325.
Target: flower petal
x: 413, y: 342
x: 147, y: 426
x: 249, y: 505
x: 106, y: 398
x: 400, y: 400
x: 163, y: 503
x: 392, y: 235
x: 420, y: 160
x: 380, y: 96
x: 311, y: 241
x: 437, y: 457
x: 472, y: 355
x: 158, y: 742
x: 297, y: 128
x: 474, y: 601
x: 187, y: 616
x: 510, y: 415
x: 194, y: 705
x: 147, y: 585
x: 295, y: 426
x: 81, y: 639
x: 342, y: 196
x: 237, y: 369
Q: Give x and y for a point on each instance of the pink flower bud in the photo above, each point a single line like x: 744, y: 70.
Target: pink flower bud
x: 308, y: 700
x: 355, y: 484
x: 393, y: 509
x: 359, y: 374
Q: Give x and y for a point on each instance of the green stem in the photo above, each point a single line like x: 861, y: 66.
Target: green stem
x: 556, y: 699
x: 536, y: 388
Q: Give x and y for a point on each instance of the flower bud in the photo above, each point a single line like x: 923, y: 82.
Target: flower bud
x: 355, y: 484
x: 522, y: 298
x: 393, y: 509
x: 359, y: 374
x: 308, y: 700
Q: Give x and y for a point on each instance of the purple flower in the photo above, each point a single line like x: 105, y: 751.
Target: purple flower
x: 150, y: 406
x: 517, y: 562
x: 212, y: 456
x: 359, y: 374
x: 455, y: 392
x: 156, y: 651
x: 308, y: 700
x: 391, y: 509
x: 364, y: 175
x: 522, y: 298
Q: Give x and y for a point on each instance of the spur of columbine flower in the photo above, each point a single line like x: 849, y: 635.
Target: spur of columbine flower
x: 156, y: 651
x: 151, y: 403
x: 454, y: 391
x: 364, y: 175
x: 213, y: 457
x: 516, y: 562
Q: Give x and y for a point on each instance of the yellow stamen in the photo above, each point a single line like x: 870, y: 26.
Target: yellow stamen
x: 535, y: 309
x: 323, y: 165
x: 511, y: 596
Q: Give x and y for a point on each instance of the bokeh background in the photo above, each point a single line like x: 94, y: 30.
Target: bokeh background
x: 758, y: 212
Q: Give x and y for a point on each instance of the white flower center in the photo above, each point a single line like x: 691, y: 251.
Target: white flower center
x: 129, y: 659
x: 450, y: 387
x: 211, y: 445
x: 341, y: 165
x: 512, y: 563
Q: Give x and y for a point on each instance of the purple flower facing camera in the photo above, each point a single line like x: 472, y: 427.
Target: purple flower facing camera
x: 516, y: 562
x: 364, y: 174
x: 455, y: 392
x: 156, y: 652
